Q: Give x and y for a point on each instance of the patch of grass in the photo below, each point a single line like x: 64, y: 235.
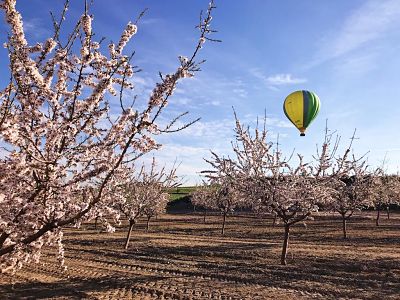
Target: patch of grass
x: 180, y: 192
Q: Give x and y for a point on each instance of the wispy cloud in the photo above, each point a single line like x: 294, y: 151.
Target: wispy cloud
x: 284, y: 79
x: 181, y: 101
x: 274, y: 122
x: 36, y: 29
x: 188, y: 160
x: 150, y: 21
x: 211, y: 131
x: 213, y: 90
x: 273, y: 81
x: 240, y: 92
x: 364, y: 26
x: 387, y: 150
x: 358, y: 64
x: 213, y: 103
x: 271, y: 121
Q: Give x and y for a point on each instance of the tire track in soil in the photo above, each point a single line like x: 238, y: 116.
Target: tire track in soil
x: 187, y: 277
x: 154, y: 289
x: 198, y: 275
x: 46, y: 272
x: 294, y: 277
x: 87, y: 268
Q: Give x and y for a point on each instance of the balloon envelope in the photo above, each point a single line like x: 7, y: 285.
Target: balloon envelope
x: 301, y: 108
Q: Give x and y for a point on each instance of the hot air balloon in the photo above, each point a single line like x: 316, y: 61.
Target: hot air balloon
x: 301, y: 108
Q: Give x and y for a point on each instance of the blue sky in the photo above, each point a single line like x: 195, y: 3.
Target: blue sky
x: 345, y: 51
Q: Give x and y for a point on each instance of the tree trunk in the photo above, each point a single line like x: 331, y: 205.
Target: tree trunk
x: 223, y: 224
x: 274, y: 222
x: 344, y: 226
x: 378, y: 214
x: 148, y: 223
x: 204, y: 216
x: 285, y: 245
x: 131, y: 223
x: 95, y: 223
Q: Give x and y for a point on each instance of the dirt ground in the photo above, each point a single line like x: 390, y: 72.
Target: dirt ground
x: 182, y: 258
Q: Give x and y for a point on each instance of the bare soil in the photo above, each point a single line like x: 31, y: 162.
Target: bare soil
x: 182, y: 258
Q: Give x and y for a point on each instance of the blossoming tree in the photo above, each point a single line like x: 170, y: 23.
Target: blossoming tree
x: 224, y: 194
x: 156, y: 208
x: 293, y: 191
x: 384, y: 192
x: 200, y: 198
x: 144, y: 193
x: 62, y: 144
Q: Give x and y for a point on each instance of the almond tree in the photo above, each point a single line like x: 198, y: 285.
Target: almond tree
x: 384, y: 192
x: 144, y: 194
x: 225, y: 194
x: 62, y: 144
x: 156, y: 208
x: 395, y: 200
x: 352, y: 190
x: 261, y: 173
x: 200, y: 198
x: 292, y: 191
x: 346, y: 178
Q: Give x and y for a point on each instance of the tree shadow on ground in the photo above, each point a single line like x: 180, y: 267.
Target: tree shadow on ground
x: 238, y: 263
x: 77, y: 288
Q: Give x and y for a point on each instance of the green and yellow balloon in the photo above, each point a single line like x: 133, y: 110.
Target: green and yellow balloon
x: 301, y: 108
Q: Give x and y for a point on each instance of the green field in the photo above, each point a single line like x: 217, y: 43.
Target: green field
x: 180, y: 192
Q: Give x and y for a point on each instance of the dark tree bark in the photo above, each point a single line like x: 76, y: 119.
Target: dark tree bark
x: 95, y: 223
x: 285, y: 245
x: 204, y: 216
x: 131, y: 223
x: 148, y: 223
x: 378, y: 214
x: 274, y: 221
x: 344, y: 220
x: 344, y: 225
x: 223, y: 223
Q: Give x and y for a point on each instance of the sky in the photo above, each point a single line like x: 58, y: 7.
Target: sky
x: 344, y: 51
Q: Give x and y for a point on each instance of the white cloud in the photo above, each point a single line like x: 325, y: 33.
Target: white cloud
x: 270, y: 121
x: 143, y: 82
x: 150, y: 21
x: 273, y: 81
x: 213, y: 90
x: 3, y: 150
x: 216, y: 130
x: 240, y: 92
x: 179, y: 91
x: 388, y: 150
x: 278, y: 123
x: 284, y: 79
x: 357, y: 64
x: 214, y: 103
x: 180, y: 100
x: 365, y: 25
x: 189, y: 159
x: 192, y: 145
x: 35, y: 28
